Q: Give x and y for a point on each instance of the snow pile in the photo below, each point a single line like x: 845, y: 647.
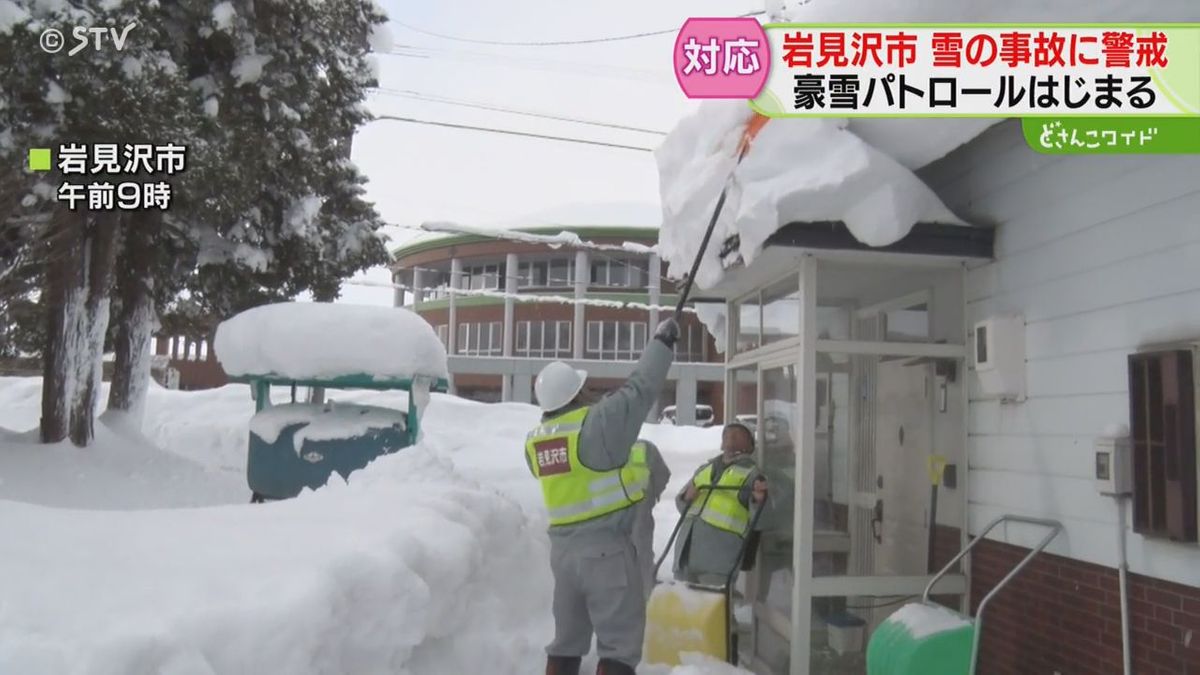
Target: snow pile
x: 797, y: 170
x: 699, y: 664
x: 419, y: 583
x: 923, y: 620
x: 312, y: 340
x: 433, y: 560
x: 323, y: 422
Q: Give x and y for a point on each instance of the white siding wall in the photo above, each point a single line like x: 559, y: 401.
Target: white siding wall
x: 1101, y: 255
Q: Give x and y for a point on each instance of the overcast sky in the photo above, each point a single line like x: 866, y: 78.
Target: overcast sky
x: 419, y: 172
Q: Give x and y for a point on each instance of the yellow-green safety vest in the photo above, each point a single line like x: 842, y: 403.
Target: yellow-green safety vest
x: 721, y: 509
x: 574, y: 493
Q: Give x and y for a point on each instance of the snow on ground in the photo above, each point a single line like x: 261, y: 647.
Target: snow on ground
x: 430, y: 561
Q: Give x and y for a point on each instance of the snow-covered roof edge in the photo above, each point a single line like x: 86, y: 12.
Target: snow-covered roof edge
x: 797, y: 170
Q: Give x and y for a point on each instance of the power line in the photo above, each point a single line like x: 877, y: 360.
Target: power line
x: 533, y: 63
x: 549, y: 43
x: 406, y: 93
x: 510, y: 132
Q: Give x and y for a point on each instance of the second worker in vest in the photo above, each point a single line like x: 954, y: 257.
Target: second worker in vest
x: 581, y: 456
x: 715, y: 521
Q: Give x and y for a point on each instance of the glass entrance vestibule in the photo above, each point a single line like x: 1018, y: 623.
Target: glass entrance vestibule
x: 850, y: 367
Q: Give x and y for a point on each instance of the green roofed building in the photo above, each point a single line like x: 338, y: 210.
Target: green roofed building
x: 506, y: 308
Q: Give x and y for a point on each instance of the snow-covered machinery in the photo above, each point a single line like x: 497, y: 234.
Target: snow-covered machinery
x: 320, y: 346
x: 924, y: 638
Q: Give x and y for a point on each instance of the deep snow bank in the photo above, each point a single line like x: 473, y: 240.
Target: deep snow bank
x: 430, y: 561
x: 384, y: 576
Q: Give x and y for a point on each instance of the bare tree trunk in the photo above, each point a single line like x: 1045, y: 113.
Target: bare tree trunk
x: 101, y: 258
x: 136, y: 319
x: 64, y: 279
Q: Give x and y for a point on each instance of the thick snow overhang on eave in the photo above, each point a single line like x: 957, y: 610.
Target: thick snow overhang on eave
x: 927, y: 244
x: 940, y: 239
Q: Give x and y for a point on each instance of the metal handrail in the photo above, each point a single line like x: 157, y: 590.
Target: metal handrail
x: 1055, y: 528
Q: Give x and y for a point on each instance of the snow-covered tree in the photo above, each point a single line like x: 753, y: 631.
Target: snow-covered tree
x: 266, y: 95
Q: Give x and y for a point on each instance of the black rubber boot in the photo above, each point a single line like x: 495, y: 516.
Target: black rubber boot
x: 563, y: 665
x: 613, y: 667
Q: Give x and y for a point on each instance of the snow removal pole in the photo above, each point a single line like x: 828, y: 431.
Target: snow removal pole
x: 755, y: 124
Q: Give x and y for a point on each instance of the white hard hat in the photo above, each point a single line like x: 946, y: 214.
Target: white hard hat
x: 557, y: 385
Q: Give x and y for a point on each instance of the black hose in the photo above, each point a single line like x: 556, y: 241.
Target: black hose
x: 683, y: 517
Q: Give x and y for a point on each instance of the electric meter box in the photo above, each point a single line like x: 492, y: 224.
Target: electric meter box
x: 998, y: 348
x: 1113, y: 465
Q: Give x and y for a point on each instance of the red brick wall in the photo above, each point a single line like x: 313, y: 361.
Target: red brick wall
x: 1063, y: 615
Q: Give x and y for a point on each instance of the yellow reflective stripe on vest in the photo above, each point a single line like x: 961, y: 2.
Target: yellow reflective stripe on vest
x: 572, y: 492
x: 721, y: 508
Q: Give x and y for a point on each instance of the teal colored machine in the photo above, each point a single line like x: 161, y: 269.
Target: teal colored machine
x: 299, y: 445
x: 927, y: 639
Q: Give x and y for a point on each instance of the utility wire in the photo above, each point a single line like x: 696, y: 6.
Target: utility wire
x: 415, y: 95
x: 510, y: 132
x: 549, y: 43
x: 533, y: 63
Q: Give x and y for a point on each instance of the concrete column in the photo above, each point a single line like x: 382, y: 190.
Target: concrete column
x: 510, y: 289
x: 418, y: 288
x: 455, y: 276
x: 522, y: 388
x: 583, y: 275
x: 397, y: 293
x: 655, y: 281
x: 685, y: 398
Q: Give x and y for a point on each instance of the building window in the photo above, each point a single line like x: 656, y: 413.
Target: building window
x: 615, y: 340
x: 481, y: 277
x: 614, y: 273
x: 1162, y: 413
x: 533, y: 274
x: 481, y: 339
x: 561, y: 273
x: 443, y: 333
x: 544, y: 339
x: 690, y: 346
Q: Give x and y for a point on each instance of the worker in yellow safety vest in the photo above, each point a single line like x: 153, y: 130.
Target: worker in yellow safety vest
x: 717, y: 520
x: 580, y: 453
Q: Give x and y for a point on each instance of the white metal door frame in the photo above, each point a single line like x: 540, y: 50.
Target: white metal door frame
x: 800, y: 351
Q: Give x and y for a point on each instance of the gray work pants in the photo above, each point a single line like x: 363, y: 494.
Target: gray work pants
x: 598, y: 588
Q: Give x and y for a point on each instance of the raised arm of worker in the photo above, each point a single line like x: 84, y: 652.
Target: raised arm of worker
x: 613, y: 424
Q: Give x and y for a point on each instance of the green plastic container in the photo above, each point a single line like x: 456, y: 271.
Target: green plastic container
x: 921, y: 640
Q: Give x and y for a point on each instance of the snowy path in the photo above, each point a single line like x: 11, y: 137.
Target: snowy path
x: 432, y: 561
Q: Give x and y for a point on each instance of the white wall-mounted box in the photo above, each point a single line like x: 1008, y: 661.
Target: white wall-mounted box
x: 1114, y: 466
x: 998, y: 350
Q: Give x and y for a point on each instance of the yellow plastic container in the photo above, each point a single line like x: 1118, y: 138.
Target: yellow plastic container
x: 680, y: 619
